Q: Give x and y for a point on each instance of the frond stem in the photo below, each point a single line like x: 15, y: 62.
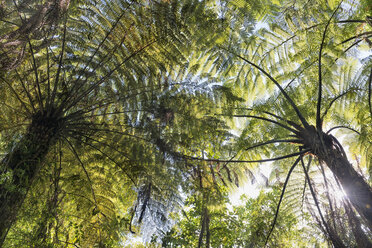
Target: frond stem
x: 297, y: 141
x: 334, y: 100
x: 59, y: 64
x: 248, y: 161
x: 281, y: 198
x: 268, y: 120
x: 370, y: 93
x: 337, y: 127
x: 289, y: 99
x: 85, y: 170
x: 319, y: 103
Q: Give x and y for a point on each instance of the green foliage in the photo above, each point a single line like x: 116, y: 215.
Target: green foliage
x: 246, y: 225
x: 133, y: 103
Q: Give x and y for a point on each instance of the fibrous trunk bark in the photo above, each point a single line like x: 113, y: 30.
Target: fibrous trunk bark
x: 354, y: 185
x: 204, y: 228
x: 19, y: 168
x: 330, y: 152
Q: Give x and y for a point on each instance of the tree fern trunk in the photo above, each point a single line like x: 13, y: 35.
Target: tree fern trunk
x: 329, y: 151
x: 208, y: 234
x: 20, y: 166
x: 357, y: 190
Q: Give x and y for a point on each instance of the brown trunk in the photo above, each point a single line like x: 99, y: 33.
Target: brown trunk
x: 361, y: 238
x: 20, y: 167
x: 208, y: 234
x: 200, y: 242
x: 329, y: 151
x: 357, y: 190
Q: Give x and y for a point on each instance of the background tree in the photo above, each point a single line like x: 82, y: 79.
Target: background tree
x: 245, y: 225
x: 102, y: 101
x: 93, y: 98
x: 278, y: 68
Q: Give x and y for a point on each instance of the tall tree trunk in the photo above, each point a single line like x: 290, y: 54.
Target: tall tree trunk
x: 356, y: 188
x: 361, y: 238
x: 208, y: 234
x: 329, y: 151
x: 200, y: 242
x: 21, y: 165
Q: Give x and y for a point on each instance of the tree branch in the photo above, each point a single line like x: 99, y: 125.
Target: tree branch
x: 370, y: 92
x: 307, y: 169
x: 16, y: 95
x: 297, y: 141
x: 318, y: 119
x: 96, y: 50
x: 248, y: 161
x: 111, y: 159
x: 103, y: 78
x: 335, y: 240
x: 85, y: 171
x: 269, y: 120
x: 38, y: 92
x: 356, y: 36
x: 333, y: 100
x: 276, y: 116
x: 281, y: 198
x: 59, y: 64
x: 289, y: 99
x: 336, y: 127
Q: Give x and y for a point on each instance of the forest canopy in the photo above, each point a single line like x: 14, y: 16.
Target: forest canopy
x: 132, y: 123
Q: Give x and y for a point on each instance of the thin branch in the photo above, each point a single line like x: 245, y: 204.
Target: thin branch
x: 281, y: 198
x: 16, y: 94
x: 131, y: 220
x: 307, y: 169
x: 297, y: 141
x: 37, y: 82
x: 351, y: 21
x: 351, y: 46
x: 15, y: 111
x: 329, y: 231
x: 103, y: 60
x: 336, y: 127
x: 109, y: 131
x: 327, y: 194
x: 69, y: 243
x: 318, y: 119
x: 22, y: 84
x: 333, y: 101
x: 59, y: 64
x: 26, y: 91
x: 48, y: 75
x: 79, y: 195
x: 299, y: 74
x: 85, y: 171
x: 100, y: 104
x: 109, y: 113
x: 107, y: 156
x: 102, y: 80
x: 289, y: 99
x: 97, y: 48
x: 268, y: 120
x: 370, y: 92
x: 276, y: 116
x: 106, y: 144
x: 248, y: 161
x: 145, y: 202
x: 356, y: 36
